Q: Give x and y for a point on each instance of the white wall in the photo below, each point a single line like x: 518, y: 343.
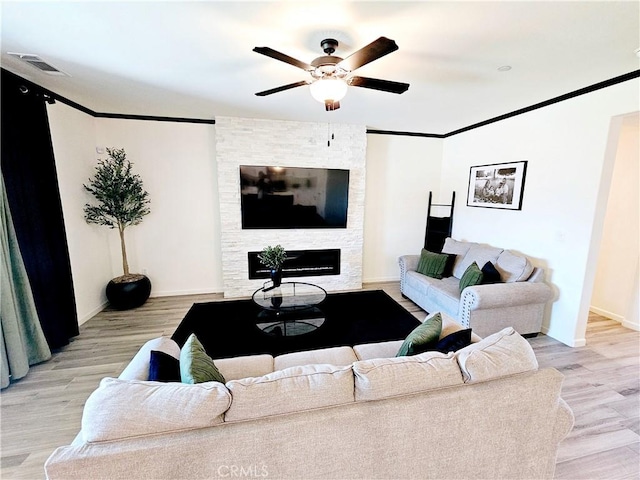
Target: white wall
x: 178, y: 244
x: 73, y: 135
x: 617, y: 268
x: 400, y: 173
x: 559, y: 226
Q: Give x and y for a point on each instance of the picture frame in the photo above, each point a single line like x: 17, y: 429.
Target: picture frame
x: 499, y: 185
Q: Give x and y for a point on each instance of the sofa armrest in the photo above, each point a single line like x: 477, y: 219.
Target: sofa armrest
x: 504, y: 295
x: 408, y: 262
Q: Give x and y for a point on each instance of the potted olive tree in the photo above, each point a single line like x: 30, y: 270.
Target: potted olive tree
x: 121, y: 202
x: 273, y: 258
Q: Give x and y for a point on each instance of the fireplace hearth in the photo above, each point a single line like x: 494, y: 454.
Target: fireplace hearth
x: 299, y: 263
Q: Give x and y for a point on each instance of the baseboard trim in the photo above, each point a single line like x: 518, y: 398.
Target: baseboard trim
x: 576, y: 342
x: 631, y: 325
x: 175, y: 293
x: 381, y: 279
x: 92, y: 313
x: 607, y: 314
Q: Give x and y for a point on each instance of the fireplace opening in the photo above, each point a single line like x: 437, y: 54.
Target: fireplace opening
x: 299, y: 263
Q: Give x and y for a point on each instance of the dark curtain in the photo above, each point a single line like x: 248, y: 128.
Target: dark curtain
x: 31, y: 182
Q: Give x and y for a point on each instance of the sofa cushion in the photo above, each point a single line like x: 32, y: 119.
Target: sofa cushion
x: 367, y: 351
x: 339, y: 356
x: 513, y: 267
x: 457, y: 248
x: 305, y: 387
x: 471, y: 276
x: 245, y: 366
x: 446, y: 296
x: 163, y: 367
x: 195, y: 365
x: 432, y: 264
x: 480, y: 254
x: 503, y: 353
x: 387, y: 377
x: 130, y: 408
x: 138, y: 367
x: 490, y: 274
x: 422, y: 337
x: 418, y: 282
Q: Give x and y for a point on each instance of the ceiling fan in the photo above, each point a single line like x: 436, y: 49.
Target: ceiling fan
x: 331, y: 75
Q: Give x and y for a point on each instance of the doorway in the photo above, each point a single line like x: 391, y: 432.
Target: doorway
x: 615, y: 291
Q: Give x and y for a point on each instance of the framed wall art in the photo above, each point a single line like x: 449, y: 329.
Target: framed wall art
x: 500, y: 185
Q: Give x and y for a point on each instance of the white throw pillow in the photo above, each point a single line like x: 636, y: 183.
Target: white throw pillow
x: 513, y: 267
x: 138, y: 367
x: 480, y: 254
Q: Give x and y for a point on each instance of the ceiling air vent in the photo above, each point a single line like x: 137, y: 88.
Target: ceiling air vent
x: 39, y: 63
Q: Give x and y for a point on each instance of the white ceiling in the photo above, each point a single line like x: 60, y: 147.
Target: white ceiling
x: 195, y: 59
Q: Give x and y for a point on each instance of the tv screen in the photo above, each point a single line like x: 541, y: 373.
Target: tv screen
x: 293, y: 197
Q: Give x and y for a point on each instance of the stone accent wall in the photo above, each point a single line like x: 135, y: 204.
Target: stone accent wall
x: 243, y: 141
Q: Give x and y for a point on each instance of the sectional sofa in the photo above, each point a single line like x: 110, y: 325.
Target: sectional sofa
x: 517, y: 299
x: 484, y: 411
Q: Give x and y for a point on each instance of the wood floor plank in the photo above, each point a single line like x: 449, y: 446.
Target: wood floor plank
x: 617, y: 463
x: 602, y: 385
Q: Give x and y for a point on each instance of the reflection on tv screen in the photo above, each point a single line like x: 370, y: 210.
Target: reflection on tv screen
x: 293, y: 197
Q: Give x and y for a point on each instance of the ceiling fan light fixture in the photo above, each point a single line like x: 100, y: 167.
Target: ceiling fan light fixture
x: 332, y: 75
x: 328, y: 88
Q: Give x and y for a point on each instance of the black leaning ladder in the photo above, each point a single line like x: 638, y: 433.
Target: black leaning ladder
x: 438, y: 228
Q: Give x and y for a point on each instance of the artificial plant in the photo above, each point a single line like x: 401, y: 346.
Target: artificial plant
x: 122, y: 200
x: 272, y: 257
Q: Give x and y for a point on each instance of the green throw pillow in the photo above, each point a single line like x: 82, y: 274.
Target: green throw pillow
x: 471, y: 276
x: 423, y: 337
x: 195, y: 365
x: 432, y: 264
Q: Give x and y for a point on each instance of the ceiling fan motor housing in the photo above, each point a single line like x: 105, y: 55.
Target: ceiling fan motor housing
x: 327, y: 67
x: 329, y: 45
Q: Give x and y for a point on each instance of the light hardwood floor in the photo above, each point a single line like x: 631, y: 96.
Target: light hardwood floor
x: 602, y: 386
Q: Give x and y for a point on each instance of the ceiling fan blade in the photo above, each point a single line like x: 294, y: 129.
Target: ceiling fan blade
x: 377, y: 84
x: 376, y: 49
x: 270, y: 52
x: 282, y: 88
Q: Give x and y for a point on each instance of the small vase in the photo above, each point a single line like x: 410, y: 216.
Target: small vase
x: 276, y: 277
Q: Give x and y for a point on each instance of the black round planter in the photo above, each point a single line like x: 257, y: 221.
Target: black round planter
x: 129, y: 294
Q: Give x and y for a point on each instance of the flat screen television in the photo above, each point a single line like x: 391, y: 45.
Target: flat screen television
x: 293, y: 197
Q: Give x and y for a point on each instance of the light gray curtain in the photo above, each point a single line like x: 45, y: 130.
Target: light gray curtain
x: 23, y: 343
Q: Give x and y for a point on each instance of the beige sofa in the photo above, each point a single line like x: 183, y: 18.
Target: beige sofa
x: 517, y: 302
x: 485, y: 411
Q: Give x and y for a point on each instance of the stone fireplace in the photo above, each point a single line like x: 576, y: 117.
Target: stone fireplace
x: 242, y: 141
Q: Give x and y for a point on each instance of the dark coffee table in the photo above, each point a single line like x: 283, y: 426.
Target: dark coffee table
x: 232, y: 328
